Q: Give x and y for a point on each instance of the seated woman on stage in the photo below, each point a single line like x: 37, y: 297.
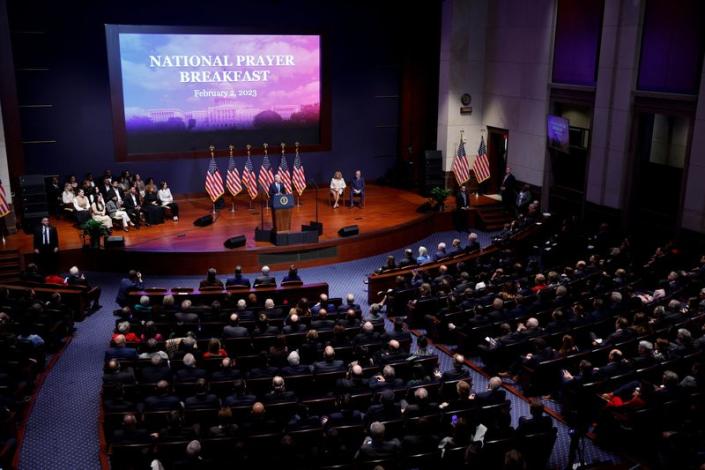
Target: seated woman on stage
x: 98, y: 211
x: 67, y: 197
x: 115, y: 213
x: 82, y: 206
x: 139, y: 184
x: 337, y: 186
x: 125, y: 180
x: 151, y: 207
x: 167, y: 200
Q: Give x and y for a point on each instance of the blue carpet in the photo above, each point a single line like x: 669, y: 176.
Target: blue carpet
x: 62, y: 431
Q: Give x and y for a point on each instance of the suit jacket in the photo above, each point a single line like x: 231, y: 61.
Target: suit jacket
x: 461, y: 200
x: 127, y: 286
x: 530, y: 425
x: 265, y: 281
x: 119, y: 192
x: 230, y: 331
x: 39, y: 239
x: 274, y: 190
x: 509, y: 183
x: 357, y: 184
x: 491, y: 397
x: 130, y: 204
x: 238, y: 281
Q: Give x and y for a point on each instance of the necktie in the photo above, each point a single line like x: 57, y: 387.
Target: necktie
x: 46, y: 235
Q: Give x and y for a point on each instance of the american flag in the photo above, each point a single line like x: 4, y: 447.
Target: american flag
x: 232, y: 180
x: 461, y: 167
x: 283, y: 171
x: 265, y: 175
x: 249, y: 179
x: 214, y: 182
x: 481, y: 167
x: 298, y: 175
x: 4, y: 208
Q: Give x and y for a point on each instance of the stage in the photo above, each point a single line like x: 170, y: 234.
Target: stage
x: 389, y: 220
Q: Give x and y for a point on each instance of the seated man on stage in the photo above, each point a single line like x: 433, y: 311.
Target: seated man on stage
x: 357, y: 189
x: 277, y: 187
x: 133, y: 205
x: 337, y: 187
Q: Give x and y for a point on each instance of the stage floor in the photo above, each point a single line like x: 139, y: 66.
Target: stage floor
x: 385, y: 208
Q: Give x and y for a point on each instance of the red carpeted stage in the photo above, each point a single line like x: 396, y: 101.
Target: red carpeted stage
x: 389, y: 220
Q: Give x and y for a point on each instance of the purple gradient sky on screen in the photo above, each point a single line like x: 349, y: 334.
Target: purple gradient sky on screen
x: 147, y: 88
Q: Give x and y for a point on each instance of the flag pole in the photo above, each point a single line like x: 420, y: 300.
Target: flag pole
x: 298, y: 196
x: 266, y: 190
x: 231, y: 147
x: 212, y: 149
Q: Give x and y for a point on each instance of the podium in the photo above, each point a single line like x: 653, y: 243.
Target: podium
x: 281, y: 212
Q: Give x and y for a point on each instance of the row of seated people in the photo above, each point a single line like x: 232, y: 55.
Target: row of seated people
x: 442, y: 252
x: 83, y: 294
x: 420, y: 436
x: 29, y: 330
x: 445, y: 253
x: 135, y: 283
x: 578, y: 308
x: 243, y: 415
x: 126, y: 199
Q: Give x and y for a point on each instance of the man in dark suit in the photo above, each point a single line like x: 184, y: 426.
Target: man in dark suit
x: 116, y: 192
x: 458, y: 371
x: 237, y: 279
x: 156, y: 371
x: 357, y: 188
x: 279, y: 392
x: 277, y: 187
x: 133, y: 205
x: 46, y: 245
x: 163, y: 400
x: 190, y: 373
x: 508, y: 190
x: 494, y: 394
x: 132, y: 282
x: 202, y: 399
x: 228, y: 371
x: 462, y: 201
x: 265, y: 279
x: 376, y: 447
x: 233, y: 329
x: 537, y: 423
x: 329, y: 362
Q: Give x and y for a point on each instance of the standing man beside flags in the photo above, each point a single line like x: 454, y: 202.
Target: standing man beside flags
x: 298, y: 176
x: 214, y: 182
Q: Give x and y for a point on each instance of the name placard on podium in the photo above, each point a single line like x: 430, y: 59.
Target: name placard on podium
x: 281, y: 211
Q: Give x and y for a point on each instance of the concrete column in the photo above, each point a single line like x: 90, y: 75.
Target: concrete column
x: 694, y: 201
x: 518, y: 61
x: 612, y: 118
x: 462, y: 70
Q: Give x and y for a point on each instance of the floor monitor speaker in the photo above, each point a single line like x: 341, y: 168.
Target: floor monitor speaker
x: 349, y: 231
x: 204, y: 221
x: 115, y: 242
x: 235, y: 242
